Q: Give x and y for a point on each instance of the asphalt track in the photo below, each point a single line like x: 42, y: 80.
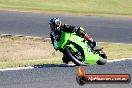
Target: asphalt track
x: 62, y: 77
x: 59, y: 76
x: 102, y: 29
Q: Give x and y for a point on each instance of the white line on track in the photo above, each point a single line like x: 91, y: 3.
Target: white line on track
x: 116, y: 60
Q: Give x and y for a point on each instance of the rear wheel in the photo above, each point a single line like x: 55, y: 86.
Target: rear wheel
x: 103, y: 58
x: 76, y: 57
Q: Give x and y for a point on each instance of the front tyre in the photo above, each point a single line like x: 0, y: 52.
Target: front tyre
x: 76, y: 57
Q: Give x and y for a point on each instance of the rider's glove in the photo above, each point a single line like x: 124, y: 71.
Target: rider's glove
x: 55, y: 45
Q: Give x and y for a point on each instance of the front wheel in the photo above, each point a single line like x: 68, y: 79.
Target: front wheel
x: 76, y: 57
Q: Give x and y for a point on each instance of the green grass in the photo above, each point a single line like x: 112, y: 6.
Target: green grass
x: 21, y: 52
x: 118, y: 7
x: 29, y: 62
x: 117, y: 50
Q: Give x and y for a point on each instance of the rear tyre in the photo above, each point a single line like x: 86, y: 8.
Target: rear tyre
x: 103, y: 58
x: 102, y: 61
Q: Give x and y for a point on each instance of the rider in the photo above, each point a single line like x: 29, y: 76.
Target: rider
x: 57, y: 27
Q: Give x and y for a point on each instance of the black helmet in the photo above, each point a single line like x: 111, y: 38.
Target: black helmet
x: 54, y: 23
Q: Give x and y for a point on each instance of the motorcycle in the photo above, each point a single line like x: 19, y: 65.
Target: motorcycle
x: 78, y: 50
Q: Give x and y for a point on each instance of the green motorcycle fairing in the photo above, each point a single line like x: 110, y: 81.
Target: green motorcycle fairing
x: 89, y: 57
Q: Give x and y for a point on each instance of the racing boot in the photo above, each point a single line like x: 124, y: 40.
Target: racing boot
x: 65, y: 59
